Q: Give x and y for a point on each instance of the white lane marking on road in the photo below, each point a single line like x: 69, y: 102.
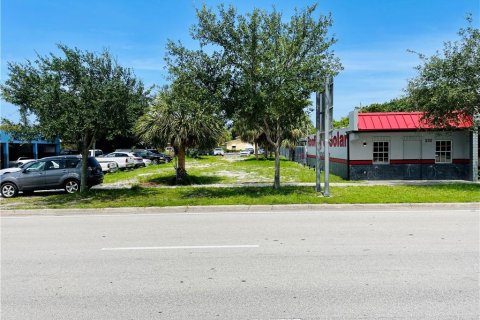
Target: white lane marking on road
x: 185, y: 247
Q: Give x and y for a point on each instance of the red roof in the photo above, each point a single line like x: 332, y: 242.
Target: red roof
x: 390, y: 121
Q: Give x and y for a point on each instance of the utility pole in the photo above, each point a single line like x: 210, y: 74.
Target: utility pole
x: 328, y: 114
x: 318, y: 123
x: 305, y: 153
x: 474, y: 144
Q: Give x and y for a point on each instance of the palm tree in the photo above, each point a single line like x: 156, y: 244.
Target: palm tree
x: 174, y: 118
x: 248, y: 133
x: 292, y: 138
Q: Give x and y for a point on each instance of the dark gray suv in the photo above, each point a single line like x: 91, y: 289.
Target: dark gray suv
x: 59, y: 172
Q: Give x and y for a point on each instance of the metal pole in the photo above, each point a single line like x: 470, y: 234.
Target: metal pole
x: 318, y: 186
x: 474, y: 145
x: 326, y: 147
x: 305, y: 153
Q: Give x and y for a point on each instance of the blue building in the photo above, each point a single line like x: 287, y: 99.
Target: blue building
x: 12, y: 149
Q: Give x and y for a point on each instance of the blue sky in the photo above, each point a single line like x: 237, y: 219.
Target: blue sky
x: 373, y: 36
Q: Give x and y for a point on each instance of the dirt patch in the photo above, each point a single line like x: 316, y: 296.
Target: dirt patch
x: 242, y: 176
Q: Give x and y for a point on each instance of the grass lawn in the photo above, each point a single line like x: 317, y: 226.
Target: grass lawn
x: 193, y: 196
x: 219, y: 170
x: 150, y: 188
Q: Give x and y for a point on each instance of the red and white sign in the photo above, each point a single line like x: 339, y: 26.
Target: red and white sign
x: 338, y: 144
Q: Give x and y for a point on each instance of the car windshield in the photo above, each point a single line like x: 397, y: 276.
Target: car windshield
x: 35, y: 166
x: 26, y: 164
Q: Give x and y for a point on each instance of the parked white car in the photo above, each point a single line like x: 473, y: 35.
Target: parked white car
x: 23, y: 161
x: 108, y: 165
x: 125, y: 160
x: 19, y: 165
x: 246, y: 152
x: 218, y: 152
x: 95, y: 153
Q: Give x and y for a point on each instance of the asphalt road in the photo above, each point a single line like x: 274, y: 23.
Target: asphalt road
x: 362, y: 263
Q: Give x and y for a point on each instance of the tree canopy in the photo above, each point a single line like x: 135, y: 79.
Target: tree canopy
x: 403, y: 104
x: 271, y: 66
x: 447, y: 86
x: 77, y: 97
x: 187, y: 113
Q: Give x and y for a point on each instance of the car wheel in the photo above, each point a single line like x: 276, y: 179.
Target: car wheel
x: 154, y: 161
x: 9, y: 190
x: 72, y: 186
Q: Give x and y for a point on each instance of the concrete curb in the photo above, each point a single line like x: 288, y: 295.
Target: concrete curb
x: 474, y: 206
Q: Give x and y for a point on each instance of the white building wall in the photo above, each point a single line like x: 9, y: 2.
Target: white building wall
x: 409, y: 144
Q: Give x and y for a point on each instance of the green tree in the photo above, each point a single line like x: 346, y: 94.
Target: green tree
x: 226, y: 136
x: 176, y: 117
x: 78, y: 98
x: 248, y: 133
x: 447, y: 86
x: 187, y: 114
x: 272, y: 66
x: 403, y: 104
x: 342, y: 123
x: 293, y: 137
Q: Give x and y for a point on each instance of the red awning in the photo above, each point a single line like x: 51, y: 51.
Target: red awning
x: 391, y: 121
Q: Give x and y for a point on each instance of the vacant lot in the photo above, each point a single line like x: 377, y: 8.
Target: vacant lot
x: 219, y: 170
x: 230, y: 181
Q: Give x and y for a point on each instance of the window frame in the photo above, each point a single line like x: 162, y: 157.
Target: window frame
x: 57, y: 164
x: 37, y: 167
x: 444, y: 152
x: 375, y: 159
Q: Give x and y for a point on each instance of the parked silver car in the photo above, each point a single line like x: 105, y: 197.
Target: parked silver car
x: 60, y: 172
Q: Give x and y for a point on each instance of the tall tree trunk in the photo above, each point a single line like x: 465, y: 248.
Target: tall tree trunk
x: 276, y: 149
x: 276, y: 183
x: 256, y: 150
x: 181, y: 173
x: 83, y: 177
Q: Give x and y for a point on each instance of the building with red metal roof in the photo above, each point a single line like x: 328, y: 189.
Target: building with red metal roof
x: 396, y: 121
x: 398, y: 146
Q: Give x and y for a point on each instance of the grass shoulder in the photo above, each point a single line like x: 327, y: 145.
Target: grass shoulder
x: 201, y: 196
x: 212, y: 180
